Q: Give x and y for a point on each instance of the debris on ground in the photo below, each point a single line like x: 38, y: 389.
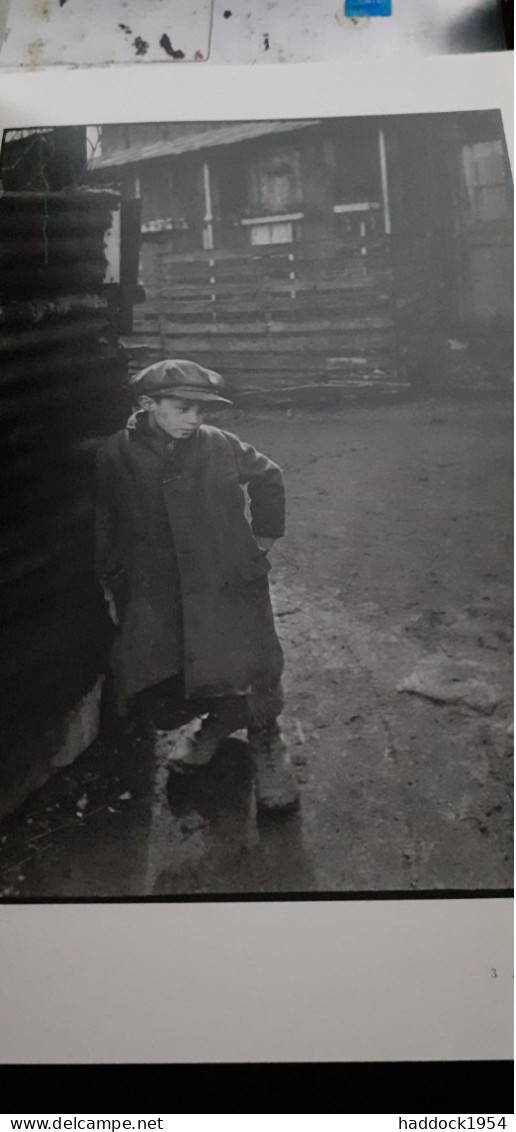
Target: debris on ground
x: 301, y: 737
x: 448, y: 681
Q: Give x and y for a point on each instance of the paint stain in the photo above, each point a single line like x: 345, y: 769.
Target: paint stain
x: 266, y: 42
x: 126, y: 29
x: 41, y: 9
x: 167, y: 46
x: 34, y: 52
x: 198, y: 56
x: 140, y: 45
x: 351, y: 22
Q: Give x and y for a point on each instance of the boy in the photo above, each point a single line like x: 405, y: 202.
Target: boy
x: 186, y: 574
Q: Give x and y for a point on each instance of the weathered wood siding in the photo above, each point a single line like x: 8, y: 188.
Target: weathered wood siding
x: 276, y: 316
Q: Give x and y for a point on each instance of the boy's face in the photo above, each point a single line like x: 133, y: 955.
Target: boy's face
x: 179, y: 419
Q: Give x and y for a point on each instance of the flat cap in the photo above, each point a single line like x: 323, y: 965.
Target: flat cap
x: 173, y: 378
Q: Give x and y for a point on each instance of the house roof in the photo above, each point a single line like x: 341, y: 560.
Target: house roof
x: 19, y: 135
x: 190, y: 143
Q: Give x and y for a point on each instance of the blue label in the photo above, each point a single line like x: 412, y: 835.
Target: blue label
x: 367, y: 7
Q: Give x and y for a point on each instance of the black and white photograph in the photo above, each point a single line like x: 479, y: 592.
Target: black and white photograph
x: 257, y: 455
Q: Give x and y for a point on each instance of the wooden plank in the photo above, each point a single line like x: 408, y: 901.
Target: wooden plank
x: 234, y: 375
x: 222, y: 257
x: 353, y: 276
x: 146, y: 328
x: 301, y: 249
x: 195, y: 274
x: 182, y: 347
x: 153, y: 352
x: 217, y: 255
x: 318, y: 368
x: 330, y: 303
x: 319, y: 326
x: 290, y: 300
x: 280, y: 357
x: 206, y: 307
x: 319, y: 381
x: 341, y: 247
x: 233, y: 359
x: 204, y: 290
x: 236, y: 323
x: 320, y: 271
x: 216, y: 329
x: 206, y: 260
x: 346, y: 281
x: 277, y: 269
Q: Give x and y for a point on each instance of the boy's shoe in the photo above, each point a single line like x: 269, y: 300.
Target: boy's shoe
x: 275, y: 782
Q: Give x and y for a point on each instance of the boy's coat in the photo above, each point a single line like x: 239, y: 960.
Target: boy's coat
x: 175, y: 547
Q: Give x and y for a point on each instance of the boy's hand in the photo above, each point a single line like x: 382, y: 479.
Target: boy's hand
x: 111, y: 606
x: 265, y: 544
x: 112, y: 612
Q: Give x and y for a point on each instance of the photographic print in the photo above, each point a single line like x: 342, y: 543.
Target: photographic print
x: 257, y: 484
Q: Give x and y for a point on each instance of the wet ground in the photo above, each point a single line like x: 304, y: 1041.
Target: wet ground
x: 393, y: 596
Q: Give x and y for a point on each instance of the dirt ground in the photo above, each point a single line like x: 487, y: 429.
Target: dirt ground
x: 393, y: 597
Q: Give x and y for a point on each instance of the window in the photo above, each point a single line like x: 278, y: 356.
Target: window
x: 275, y: 183
x: 282, y: 229
x: 357, y: 219
x: 279, y: 233
x: 486, y: 180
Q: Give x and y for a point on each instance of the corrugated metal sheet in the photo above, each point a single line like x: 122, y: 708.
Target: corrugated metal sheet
x: 190, y: 143
x: 60, y: 390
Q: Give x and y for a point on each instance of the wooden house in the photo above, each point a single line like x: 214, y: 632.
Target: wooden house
x: 319, y: 251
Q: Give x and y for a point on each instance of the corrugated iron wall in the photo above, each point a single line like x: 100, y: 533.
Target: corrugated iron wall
x: 61, y: 375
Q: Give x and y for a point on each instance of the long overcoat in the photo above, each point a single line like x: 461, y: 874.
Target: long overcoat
x: 176, y: 549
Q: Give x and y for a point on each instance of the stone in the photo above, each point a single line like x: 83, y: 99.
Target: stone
x: 446, y: 681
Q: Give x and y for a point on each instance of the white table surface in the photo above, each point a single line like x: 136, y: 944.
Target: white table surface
x: 41, y: 33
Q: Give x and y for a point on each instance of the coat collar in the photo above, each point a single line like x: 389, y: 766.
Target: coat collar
x: 139, y: 428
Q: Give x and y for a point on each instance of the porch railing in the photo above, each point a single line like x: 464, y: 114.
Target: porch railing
x: 277, y: 315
